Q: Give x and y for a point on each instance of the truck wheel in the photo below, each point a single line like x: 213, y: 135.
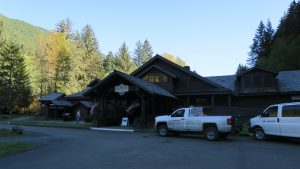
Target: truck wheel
x: 259, y: 134
x: 211, y: 133
x: 162, y: 130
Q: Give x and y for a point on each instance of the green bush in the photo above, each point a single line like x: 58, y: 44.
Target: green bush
x: 89, y: 119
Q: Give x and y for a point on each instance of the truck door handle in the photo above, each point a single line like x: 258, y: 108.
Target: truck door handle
x: 182, y: 119
x: 278, y: 120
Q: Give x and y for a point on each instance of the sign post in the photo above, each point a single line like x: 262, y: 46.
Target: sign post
x: 124, y: 122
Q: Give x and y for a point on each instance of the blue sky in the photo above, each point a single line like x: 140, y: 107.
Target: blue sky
x: 213, y: 37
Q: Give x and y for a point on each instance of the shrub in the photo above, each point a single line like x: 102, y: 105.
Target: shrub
x: 35, y: 107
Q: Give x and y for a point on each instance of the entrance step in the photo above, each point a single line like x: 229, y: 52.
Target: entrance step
x: 124, y: 129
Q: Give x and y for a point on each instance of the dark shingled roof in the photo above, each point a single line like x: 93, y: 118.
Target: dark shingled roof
x: 87, y: 104
x: 225, y: 81
x: 288, y: 81
x: 52, y: 96
x: 63, y: 103
x: 145, y: 85
x: 79, y: 94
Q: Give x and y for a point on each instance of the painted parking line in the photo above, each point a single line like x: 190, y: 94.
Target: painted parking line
x: 110, y: 129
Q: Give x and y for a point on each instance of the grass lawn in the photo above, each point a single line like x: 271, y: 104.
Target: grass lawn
x: 12, y: 148
x: 8, y: 133
x: 53, y: 124
x: 5, y: 117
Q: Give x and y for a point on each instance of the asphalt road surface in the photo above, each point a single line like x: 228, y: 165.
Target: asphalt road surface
x: 58, y: 148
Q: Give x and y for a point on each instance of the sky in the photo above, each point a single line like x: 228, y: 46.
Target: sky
x: 212, y: 37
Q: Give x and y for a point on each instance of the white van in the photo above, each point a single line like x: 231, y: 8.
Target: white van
x: 278, y: 120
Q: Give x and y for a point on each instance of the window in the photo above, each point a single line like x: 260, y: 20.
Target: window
x: 247, y: 81
x: 196, y: 112
x: 270, y: 112
x: 268, y: 81
x: 291, y: 111
x: 178, y: 113
x: 257, y: 81
x: 156, y: 78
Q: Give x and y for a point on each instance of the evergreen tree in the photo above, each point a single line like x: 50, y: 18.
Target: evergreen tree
x: 14, y: 83
x: 289, y: 24
x: 256, y: 49
x: 108, y: 62
x: 241, y: 69
x: 91, y: 65
x: 284, y: 53
x: 147, y: 51
x: 1, y: 34
x: 123, y: 61
x: 65, y: 26
x: 268, y: 39
x: 88, y: 40
x: 142, y: 53
x: 138, y: 54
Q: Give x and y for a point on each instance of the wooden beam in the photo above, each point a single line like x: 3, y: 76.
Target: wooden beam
x: 212, y: 101
x: 229, y: 100
x: 143, y: 106
x: 187, y: 101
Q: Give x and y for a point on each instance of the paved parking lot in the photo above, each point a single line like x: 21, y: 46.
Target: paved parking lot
x: 59, y: 148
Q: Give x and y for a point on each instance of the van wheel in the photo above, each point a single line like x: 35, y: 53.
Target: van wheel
x: 162, y: 130
x: 259, y: 134
x: 211, y: 133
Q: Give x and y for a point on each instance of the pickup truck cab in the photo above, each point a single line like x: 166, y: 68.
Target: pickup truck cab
x: 194, y: 120
x: 278, y: 120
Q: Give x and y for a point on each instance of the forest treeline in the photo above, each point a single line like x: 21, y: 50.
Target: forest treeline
x: 61, y: 60
x: 277, y: 50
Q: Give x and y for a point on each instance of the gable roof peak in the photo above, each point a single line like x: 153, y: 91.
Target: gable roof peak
x: 189, y: 72
x: 256, y: 68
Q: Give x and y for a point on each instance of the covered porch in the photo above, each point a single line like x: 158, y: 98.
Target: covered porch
x: 120, y: 95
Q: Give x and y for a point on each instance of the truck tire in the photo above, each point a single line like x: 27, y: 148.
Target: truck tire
x: 162, y: 130
x: 259, y: 134
x: 211, y: 133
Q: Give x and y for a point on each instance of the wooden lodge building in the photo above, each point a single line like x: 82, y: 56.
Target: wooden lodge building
x: 160, y: 86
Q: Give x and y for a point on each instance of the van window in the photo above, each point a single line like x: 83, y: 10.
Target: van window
x: 291, y: 111
x: 271, y: 112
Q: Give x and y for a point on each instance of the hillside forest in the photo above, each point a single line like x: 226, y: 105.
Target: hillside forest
x: 35, y: 62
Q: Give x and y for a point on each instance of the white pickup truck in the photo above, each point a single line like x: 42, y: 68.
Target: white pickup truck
x: 194, y: 120
x: 278, y: 120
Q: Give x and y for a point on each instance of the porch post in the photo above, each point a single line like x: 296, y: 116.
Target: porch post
x: 212, y: 101
x: 188, y: 101
x: 144, y: 117
x: 229, y: 100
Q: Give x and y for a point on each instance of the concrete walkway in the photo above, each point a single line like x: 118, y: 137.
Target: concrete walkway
x: 113, y: 128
